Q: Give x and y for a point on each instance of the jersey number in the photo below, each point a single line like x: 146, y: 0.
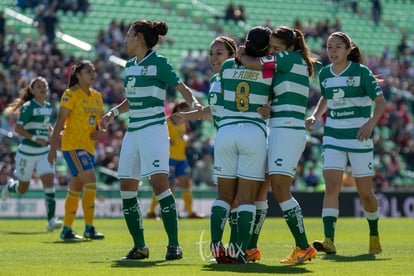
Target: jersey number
x: 242, y: 96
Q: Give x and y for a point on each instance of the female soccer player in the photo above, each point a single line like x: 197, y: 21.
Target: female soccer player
x: 221, y: 49
x: 33, y: 126
x: 145, y: 147
x: 348, y: 91
x: 287, y: 136
x: 81, y: 108
x: 239, y: 162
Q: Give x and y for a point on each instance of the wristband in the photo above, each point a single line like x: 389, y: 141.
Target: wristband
x: 34, y: 137
x: 115, y: 111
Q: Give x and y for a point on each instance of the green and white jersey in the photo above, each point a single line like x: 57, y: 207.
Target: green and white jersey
x: 244, y: 91
x: 215, y: 99
x: 290, y: 91
x: 145, y: 85
x: 349, y: 96
x: 35, y: 118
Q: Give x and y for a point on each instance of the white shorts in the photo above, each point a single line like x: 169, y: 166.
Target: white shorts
x: 361, y: 162
x: 26, y: 164
x: 286, y: 146
x: 240, y: 151
x: 144, y: 152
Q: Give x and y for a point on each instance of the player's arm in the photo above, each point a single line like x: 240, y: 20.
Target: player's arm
x: 319, y: 110
x: 188, y: 96
x: 111, y: 114
x: 248, y: 61
x: 55, y: 138
x: 199, y: 114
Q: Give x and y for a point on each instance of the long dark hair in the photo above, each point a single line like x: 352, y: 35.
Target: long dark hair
x: 151, y: 30
x: 25, y: 95
x: 257, y: 41
x: 73, y: 79
x: 295, y: 38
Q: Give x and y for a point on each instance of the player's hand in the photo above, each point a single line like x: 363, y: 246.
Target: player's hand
x: 265, y: 111
x: 106, y: 119
x: 309, y: 122
x: 365, y: 131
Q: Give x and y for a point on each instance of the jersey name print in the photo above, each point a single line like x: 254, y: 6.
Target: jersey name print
x: 244, y: 91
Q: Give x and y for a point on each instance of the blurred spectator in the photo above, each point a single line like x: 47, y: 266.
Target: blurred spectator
x: 50, y: 22
x: 2, y: 24
x: 354, y: 7
x: 379, y: 181
x: 229, y: 12
x: 312, y: 180
x: 240, y: 14
x: 203, y: 171
x: 376, y: 10
x: 408, y: 154
x: 393, y: 166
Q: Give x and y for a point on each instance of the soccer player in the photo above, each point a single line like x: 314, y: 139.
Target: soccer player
x: 145, y: 146
x: 221, y: 49
x: 240, y: 147
x: 287, y: 137
x: 33, y: 126
x: 179, y: 168
x: 81, y: 108
x: 348, y: 91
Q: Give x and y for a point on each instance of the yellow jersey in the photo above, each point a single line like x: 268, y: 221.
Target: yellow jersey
x: 178, y: 141
x: 85, y: 114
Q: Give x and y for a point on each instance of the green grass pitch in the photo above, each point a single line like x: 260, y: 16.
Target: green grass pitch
x: 27, y: 249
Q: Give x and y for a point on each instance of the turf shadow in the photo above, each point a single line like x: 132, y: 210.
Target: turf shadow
x: 357, y: 258
x: 257, y: 268
x: 25, y: 233
x: 134, y: 263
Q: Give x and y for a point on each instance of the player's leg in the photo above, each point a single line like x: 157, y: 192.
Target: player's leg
x: 25, y: 165
x: 129, y: 171
x: 46, y: 174
x: 362, y: 171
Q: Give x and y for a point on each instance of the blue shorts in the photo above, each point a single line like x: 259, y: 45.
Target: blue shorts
x: 79, y: 160
x: 178, y: 168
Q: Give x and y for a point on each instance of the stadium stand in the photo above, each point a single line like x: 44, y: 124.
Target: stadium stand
x: 193, y: 24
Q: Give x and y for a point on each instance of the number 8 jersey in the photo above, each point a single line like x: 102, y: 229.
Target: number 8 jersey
x: 244, y: 90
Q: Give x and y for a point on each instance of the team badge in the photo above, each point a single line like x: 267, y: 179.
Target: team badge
x: 144, y: 70
x: 65, y: 98
x: 350, y: 81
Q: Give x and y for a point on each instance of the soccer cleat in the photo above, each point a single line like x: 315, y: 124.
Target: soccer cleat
x: 299, y: 256
x: 91, y: 234
x: 326, y: 246
x: 173, y: 252
x: 374, y: 245
x: 137, y: 254
x: 253, y: 255
x: 5, y: 194
x: 53, y: 224
x: 219, y: 253
x: 69, y: 235
x: 239, y: 259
